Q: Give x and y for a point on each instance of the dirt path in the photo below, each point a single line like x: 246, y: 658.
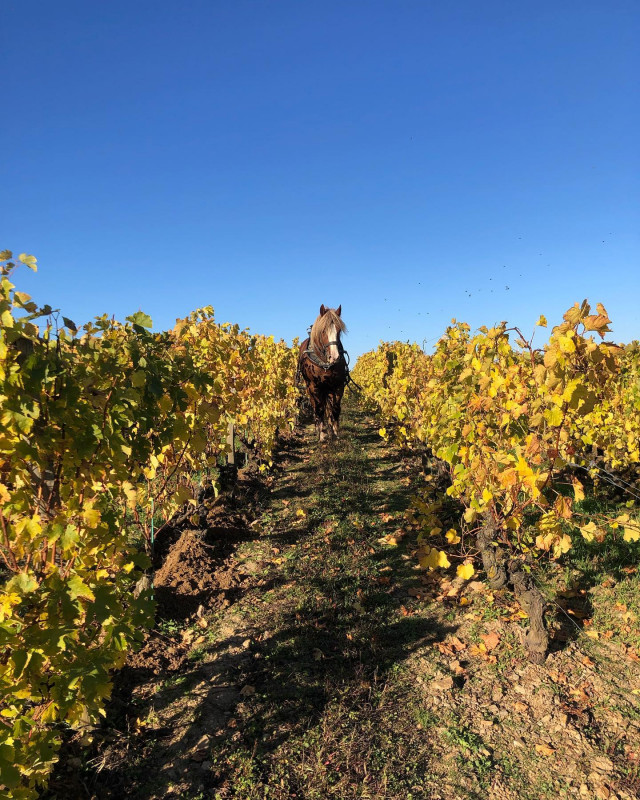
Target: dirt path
x: 317, y: 662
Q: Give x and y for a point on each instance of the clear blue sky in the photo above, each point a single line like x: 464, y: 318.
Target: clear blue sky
x: 408, y: 159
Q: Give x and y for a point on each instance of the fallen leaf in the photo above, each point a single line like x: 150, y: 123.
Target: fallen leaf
x: 247, y: 690
x: 544, y: 750
x: 491, y: 640
x: 443, y: 684
x: 456, y: 667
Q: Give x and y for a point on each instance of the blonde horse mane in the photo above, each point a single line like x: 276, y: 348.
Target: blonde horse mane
x: 322, y: 324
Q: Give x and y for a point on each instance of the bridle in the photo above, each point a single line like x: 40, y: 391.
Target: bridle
x: 320, y: 360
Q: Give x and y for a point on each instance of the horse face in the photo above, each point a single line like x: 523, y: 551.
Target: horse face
x: 333, y: 351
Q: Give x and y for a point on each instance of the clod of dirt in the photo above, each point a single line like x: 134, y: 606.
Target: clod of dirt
x: 191, y: 576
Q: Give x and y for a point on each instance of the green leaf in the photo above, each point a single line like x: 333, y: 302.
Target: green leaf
x: 142, y: 319
x: 10, y: 773
x: 70, y: 324
x: 138, y: 378
x: 77, y: 588
x: 20, y: 659
x: 22, y: 583
x: 69, y: 537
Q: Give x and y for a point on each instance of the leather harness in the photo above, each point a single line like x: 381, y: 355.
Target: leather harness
x: 314, y: 357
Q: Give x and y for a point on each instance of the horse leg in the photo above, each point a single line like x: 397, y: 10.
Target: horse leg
x: 321, y: 409
x: 334, y: 404
x: 318, y: 403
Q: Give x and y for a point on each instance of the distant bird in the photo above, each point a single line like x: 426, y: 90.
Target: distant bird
x: 507, y: 288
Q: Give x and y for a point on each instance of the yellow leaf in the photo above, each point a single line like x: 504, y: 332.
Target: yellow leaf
x: 563, y: 545
x: 578, y: 490
x: 589, y: 531
x: 434, y: 558
x: 91, y: 516
x: 554, y: 416
x: 631, y: 534
x: 452, y: 536
x: 542, y: 321
x: 470, y: 515
x: 465, y: 571
x: 566, y: 344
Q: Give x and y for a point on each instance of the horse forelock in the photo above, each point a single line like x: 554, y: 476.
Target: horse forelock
x: 322, y: 325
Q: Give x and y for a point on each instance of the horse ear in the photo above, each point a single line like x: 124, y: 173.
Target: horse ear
x: 323, y: 310
x: 339, y: 310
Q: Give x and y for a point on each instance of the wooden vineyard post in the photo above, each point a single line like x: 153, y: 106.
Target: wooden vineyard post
x: 231, y: 450
x: 229, y: 472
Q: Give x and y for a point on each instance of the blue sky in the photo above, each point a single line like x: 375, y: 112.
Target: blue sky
x: 408, y: 159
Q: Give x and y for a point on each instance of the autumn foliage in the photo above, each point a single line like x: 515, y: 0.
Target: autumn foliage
x: 105, y: 432
x: 520, y: 428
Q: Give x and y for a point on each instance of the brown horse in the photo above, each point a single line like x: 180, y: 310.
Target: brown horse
x: 322, y: 363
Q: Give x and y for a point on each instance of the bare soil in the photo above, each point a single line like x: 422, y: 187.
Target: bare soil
x: 300, y: 653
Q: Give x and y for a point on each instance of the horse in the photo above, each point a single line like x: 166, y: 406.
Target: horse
x: 322, y: 363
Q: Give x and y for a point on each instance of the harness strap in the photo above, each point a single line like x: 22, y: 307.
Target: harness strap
x: 344, y: 356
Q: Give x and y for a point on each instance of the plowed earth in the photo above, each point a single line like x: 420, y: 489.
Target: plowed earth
x: 299, y: 653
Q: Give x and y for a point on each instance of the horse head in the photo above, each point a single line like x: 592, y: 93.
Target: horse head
x: 325, y: 333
